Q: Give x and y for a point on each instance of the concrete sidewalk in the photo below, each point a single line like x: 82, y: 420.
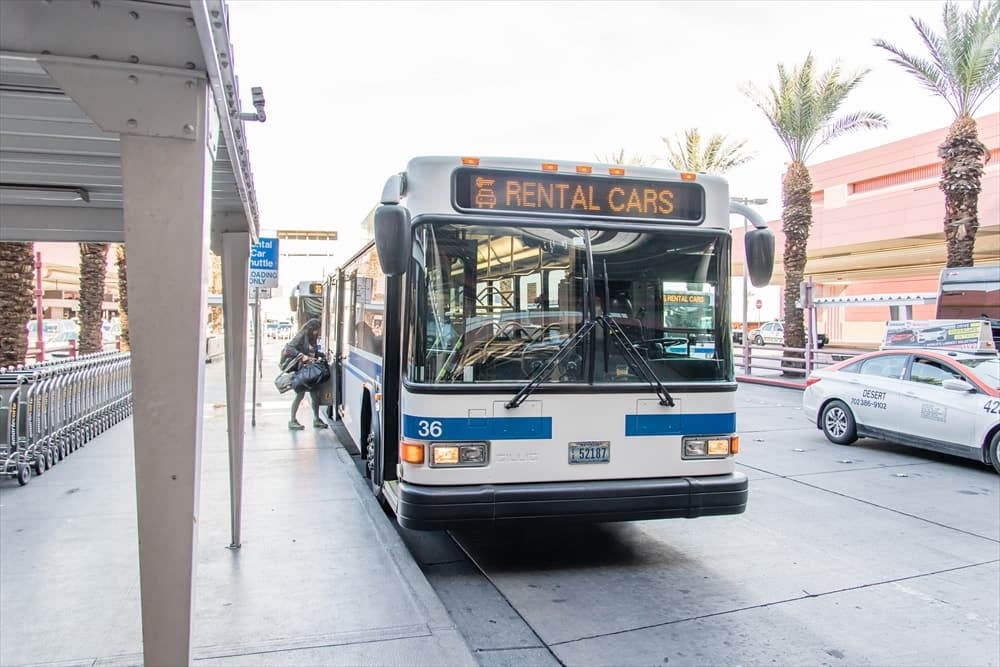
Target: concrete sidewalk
x: 322, y: 577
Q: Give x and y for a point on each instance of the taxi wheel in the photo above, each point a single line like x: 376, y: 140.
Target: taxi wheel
x: 758, y: 340
x: 995, y: 451
x: 838, y: 423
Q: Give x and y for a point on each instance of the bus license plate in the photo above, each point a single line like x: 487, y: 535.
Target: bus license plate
x: 590, y: 452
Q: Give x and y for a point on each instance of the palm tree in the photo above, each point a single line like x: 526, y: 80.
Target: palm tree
x: 717, y: 157
x: 215, y: 319
x: 120, y: 265
x: 93, y: 267
x: 964, y: 70
x: 636, y: 160
x: 17, y: 275
x: 801, y: 108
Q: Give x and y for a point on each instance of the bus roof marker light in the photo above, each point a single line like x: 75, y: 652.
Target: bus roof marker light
x: 470, y: 161
x: 550, y: 166
x: 616, y: 171
x: 688, y: 176
x: 584, y: 169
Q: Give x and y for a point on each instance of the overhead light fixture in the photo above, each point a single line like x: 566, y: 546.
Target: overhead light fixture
x: 11, y: 193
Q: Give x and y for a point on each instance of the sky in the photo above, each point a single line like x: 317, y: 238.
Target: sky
x: 356, y: 89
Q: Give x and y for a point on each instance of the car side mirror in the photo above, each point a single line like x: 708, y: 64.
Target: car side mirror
x: 957, y: 385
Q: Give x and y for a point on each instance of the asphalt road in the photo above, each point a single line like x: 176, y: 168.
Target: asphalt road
x: 873, y: 554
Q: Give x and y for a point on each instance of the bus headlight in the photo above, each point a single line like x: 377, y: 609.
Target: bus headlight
x: 708, y: 448
x: 458, y: 454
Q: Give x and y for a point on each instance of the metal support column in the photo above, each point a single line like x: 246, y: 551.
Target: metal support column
x: 166, y: 126
x: 235, y: 275
x: 167, y: 187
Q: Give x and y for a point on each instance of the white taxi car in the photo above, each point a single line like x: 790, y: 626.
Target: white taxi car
x: 947, y: 401
x: 773, y: 333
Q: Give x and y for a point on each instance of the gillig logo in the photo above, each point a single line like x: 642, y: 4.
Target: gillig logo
x: 522, y: 457
x: 565, y: 196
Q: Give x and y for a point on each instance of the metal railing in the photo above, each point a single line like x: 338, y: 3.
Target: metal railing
x: 792, y: 362
x: 51, y: 409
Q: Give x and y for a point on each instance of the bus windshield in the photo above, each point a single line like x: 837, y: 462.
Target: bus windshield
x: 496, y: 304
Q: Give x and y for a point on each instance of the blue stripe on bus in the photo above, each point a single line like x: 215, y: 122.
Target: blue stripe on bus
x: 372, y: 368
x: 357, y: 374
x: 694, y: 424
x: 477, y: 428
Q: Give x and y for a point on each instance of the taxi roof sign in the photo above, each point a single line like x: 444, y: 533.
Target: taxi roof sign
x: 967, y: 335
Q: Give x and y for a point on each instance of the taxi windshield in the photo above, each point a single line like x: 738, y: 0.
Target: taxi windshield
x: 986, y: 369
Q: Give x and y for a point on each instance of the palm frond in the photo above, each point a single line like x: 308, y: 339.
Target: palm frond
x: 964, y: 61
x: 859, y: 120
x: 802, y: 104
x: 717, y: 156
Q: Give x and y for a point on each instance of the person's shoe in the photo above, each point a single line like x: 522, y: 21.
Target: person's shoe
x: 294, y: 425
x: 319, y: 423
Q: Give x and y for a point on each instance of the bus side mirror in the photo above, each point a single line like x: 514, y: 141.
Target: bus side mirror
x: 393, y: 239
x: 760, y: 256
x: 293, y: 303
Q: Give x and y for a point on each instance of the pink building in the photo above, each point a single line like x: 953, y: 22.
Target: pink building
x: 878, y: 229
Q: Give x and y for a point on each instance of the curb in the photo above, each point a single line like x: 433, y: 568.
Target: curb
x: 439, y: 623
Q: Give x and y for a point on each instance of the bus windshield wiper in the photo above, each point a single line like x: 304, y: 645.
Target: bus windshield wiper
x: 635, y: 361
x: 564, y: 349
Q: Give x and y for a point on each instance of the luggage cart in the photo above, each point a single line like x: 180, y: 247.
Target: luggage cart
x: 13, y: 458
x: 51, y: 409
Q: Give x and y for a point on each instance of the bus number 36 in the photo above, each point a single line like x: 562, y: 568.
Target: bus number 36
x: 426, y: 428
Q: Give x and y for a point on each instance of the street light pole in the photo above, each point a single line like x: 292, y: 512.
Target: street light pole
x: 745, y: 335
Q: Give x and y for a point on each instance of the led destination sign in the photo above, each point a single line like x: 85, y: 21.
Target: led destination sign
x: 497, y: 191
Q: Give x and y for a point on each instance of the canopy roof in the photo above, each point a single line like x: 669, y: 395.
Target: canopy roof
x: 60, y: 171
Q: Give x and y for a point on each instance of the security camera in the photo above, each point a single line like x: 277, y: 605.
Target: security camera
x: 257, y: 95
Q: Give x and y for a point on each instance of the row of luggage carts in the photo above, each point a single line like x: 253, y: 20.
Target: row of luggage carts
x: 51, y: 409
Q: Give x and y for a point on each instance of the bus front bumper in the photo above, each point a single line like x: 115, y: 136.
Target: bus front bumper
x: 421, y: 507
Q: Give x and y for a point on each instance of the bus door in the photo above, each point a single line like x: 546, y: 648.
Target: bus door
x: 345, y: 329
x: 330, y: 390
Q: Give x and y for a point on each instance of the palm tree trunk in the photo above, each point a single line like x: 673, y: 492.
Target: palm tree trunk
x: 17, y: 275
x: 796, y: 219
x: 120, y: 264
x: 93, y: 267
x: 961, y: 180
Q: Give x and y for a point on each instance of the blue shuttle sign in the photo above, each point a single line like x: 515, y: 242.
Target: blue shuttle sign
x: 264, y: 263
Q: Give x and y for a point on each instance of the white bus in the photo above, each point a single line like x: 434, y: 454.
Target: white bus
x: 513, y: 347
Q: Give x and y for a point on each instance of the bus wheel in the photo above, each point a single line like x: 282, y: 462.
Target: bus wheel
x: 995, y: 451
